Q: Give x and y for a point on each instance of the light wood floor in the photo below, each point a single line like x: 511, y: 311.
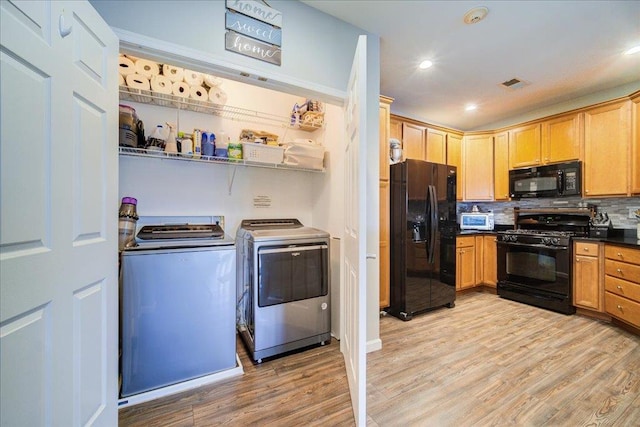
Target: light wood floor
x: 486, y: 362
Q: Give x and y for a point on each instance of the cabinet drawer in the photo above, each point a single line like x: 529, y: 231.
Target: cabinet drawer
x: 622, y: 308
x: 622, y: 270
x: 622, y: 288
x: 586, y: 249
x: 622, y: 254
x: 462, y: 242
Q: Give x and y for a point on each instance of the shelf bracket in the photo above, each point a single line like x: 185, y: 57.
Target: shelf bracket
x: 231, y: 175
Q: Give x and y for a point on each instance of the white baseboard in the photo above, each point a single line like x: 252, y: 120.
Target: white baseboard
x: 374, y: 345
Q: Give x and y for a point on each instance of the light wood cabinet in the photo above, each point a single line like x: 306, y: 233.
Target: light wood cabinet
x: 413, y: 141
x: 477, y: 161
x: 501, y: 166
x: 465, y: 262
x: 436, y: 146
x: 607, y: 135
x: 622, y: 283
x: 454, y: 158
x: 395, y: 129
x: 588, y: 284
x: 525, y: 146
x: 635, y: 144
x: 562, y: 138
x: 489, y: 261
x: 384, y: 184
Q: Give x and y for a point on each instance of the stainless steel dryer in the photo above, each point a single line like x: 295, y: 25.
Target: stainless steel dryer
x: 282, y: 286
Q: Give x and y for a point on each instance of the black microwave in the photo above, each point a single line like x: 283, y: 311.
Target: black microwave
x: 556, y: 180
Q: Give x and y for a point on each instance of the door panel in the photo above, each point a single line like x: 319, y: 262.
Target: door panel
x: 58, y: 250
x: 353, y: 340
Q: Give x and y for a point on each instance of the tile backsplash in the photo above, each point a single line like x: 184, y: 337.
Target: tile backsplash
x: 616, y: 208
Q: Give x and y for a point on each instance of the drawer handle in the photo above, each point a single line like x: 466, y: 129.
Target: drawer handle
x: 619, y: 287
x: 619, y: 307
x: 619, y: 254
x: 585, y: 249
x: 619, y: 270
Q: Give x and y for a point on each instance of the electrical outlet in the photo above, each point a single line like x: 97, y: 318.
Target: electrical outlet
x: 632, y: 211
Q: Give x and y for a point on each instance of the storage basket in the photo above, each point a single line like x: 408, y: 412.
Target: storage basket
x: 262, y: 153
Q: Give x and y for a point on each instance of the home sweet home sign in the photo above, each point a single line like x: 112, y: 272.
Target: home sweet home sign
x: 254, y: 29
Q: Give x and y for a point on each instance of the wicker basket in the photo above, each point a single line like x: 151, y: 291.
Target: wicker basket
x: 262, y: 153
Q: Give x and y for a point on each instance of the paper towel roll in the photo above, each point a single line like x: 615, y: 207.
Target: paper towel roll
x: 199, y: 93
x: 147, y: 68
x: 136, y: 81
x: 212, y: 81
x: 161, y: 84
x: 121, y: 81
x: 126, y: 66
x: 181, y: 89
x: 217, y: 96
x: 193, y: 78
x: 176, y: 74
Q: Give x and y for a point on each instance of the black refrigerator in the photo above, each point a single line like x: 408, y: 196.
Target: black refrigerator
x: 423, y: 237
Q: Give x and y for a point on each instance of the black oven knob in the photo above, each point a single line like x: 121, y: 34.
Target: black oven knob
x: 555, y: 241
x: 547, y: 241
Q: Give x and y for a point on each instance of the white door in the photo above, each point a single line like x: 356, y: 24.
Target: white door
x: 353, y: 340
x: 58, y: 215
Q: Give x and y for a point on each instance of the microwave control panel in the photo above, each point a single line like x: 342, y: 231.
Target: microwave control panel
x: 571, y: 180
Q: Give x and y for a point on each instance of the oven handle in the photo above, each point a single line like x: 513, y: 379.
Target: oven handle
x: 530, y: 245
x: 292, y: 249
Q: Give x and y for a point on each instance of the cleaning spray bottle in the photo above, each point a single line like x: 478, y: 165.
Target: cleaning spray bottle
x: 171, y: 145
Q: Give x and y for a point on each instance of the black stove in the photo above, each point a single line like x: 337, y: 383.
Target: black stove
x: 534, y: 259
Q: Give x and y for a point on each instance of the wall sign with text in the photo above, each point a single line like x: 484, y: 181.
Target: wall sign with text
x: 254, y: 29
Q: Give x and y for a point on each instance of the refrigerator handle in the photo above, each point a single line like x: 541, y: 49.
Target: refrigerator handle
x: 433, y: 223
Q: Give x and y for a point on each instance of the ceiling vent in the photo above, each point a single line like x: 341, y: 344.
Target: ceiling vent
x: 514, y: 84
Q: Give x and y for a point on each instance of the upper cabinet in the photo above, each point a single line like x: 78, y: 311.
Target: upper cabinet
x: 454, y: 158
x: 395, y: 128
x: 607, y: 137
x: 436, y: 146
x: 385, y: 114
x: 562, y: 138
x: 525, y: 146
x: 501, y: 166
x: 477, y: 160
x: 413, y: 141
x: 635, y: 144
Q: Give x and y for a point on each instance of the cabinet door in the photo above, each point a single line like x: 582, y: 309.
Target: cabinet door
x: 384, y: 245
x: 489, y: 261
x: 501, y: 166
x: 436, y: 146
x: 561, y: 138
x: 607, y: 135
x: 384, y: 113
x: 466, y: 268
x: 635, y: 147
x: 454, y: 158
x: 524, y: 146
x: 586, y: 292
x: 413, y: 141
x: 395, y: 128
x: 477, y: 160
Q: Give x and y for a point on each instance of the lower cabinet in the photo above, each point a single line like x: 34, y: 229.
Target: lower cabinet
x: 622, y: 283
x: 588, y: 287
x: 465, y: 262
x: 476, y: 261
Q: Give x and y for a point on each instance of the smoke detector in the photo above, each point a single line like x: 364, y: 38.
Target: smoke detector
x: 475, y: 15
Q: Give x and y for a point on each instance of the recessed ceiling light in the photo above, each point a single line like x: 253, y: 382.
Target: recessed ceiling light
x: 633, y: 50
x: 470, y: 107
x: 425, y: 64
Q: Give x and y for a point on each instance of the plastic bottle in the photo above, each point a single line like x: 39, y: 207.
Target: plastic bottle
x: 156, y: 140
x: 222, y: 144
x: 127, y: 220
x: 196, y: 136
x: 185, y: 145
x: 208, y: 143
x: 171, y: 145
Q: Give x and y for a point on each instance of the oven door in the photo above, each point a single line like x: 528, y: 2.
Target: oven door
x: 537, y: 269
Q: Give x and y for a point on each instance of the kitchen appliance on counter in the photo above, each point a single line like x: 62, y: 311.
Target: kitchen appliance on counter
x: 177, y: 303
x: 282, y: 286
x: 555, y: 180
x: 423, y: 237
x: 535, y: 259
x: 476, y: 221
